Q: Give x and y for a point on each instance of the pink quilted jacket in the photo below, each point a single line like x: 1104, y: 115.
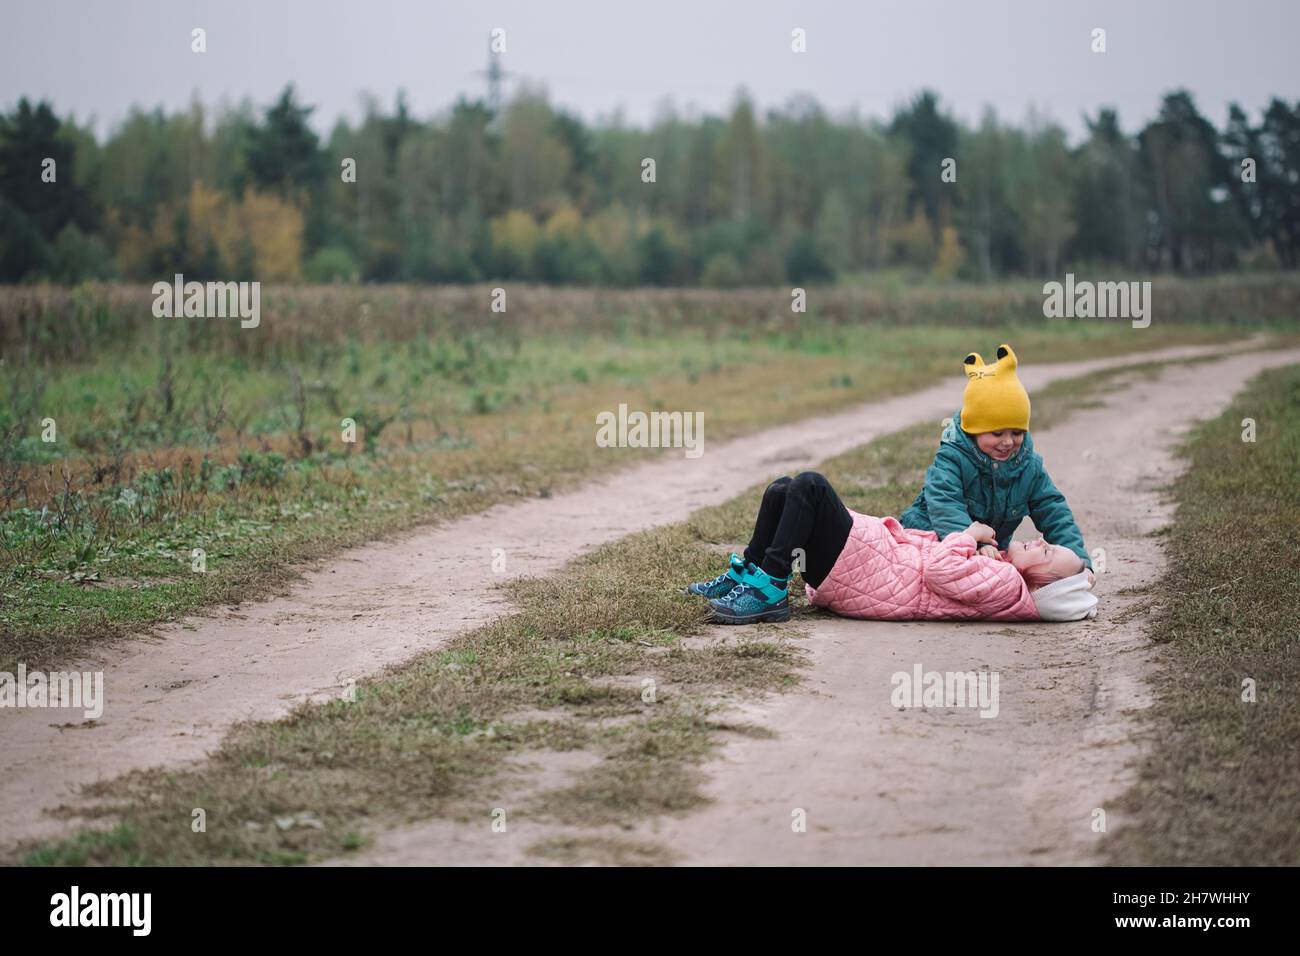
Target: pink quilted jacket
x: 888, y: 572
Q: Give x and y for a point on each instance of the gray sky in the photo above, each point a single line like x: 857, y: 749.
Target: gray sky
x: 97, y: 58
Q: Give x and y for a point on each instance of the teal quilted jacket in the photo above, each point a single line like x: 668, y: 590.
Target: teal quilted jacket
x: 964, y: 485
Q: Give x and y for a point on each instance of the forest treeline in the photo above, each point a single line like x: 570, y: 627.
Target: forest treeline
x: 535, y: 193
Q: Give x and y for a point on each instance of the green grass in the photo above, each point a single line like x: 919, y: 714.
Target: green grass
x: 1223, y: 787
x: 119, y: 843
x: 566, y: 672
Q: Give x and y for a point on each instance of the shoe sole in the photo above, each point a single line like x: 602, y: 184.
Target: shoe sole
x: 776, y: 616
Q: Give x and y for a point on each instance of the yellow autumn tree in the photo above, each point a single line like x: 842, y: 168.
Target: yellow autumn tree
x: 205, y: 210
x: 274, y: 230
x: 564, y: 223
x: 951, y: 255
x: 514, y: 237
x: 914, y: 241
x: 131, y: 247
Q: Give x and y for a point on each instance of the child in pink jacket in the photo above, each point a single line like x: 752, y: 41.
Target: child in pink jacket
x: 860, y: 566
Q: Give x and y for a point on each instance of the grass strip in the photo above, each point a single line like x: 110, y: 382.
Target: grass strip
x: 1223, y: 789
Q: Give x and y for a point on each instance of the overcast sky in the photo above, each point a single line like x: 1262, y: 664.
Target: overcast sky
x: 97, y: 58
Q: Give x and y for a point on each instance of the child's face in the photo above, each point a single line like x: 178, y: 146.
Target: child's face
x: 1000, y: 445
x: 1059, y: 561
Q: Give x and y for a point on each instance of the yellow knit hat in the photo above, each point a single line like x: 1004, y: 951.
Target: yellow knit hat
x: 994, y: 397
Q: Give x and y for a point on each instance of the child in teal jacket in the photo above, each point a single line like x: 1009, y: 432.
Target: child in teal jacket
x: 986, y: 469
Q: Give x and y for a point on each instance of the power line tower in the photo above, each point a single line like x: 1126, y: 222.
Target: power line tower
x: 495, y: 75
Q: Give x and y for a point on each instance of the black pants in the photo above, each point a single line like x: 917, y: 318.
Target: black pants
x: 800, y: 512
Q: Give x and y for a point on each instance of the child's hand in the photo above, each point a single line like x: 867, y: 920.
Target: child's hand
x: 989, y: 551
x: 1092, y: 580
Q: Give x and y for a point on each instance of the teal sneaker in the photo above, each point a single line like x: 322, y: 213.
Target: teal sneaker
x: 723, y: 583
x: 757, y: 598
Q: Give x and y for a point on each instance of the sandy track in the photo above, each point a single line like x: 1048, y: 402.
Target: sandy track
x: 170, y: 700
x: 942, y: 786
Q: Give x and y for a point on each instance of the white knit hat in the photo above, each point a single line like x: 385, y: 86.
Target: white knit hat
x: 1069, y: 599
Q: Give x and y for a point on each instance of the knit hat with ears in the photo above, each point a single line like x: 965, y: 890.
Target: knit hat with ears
x: 994, y: 397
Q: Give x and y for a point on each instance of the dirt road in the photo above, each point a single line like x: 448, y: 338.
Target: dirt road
x: 170, y: 700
